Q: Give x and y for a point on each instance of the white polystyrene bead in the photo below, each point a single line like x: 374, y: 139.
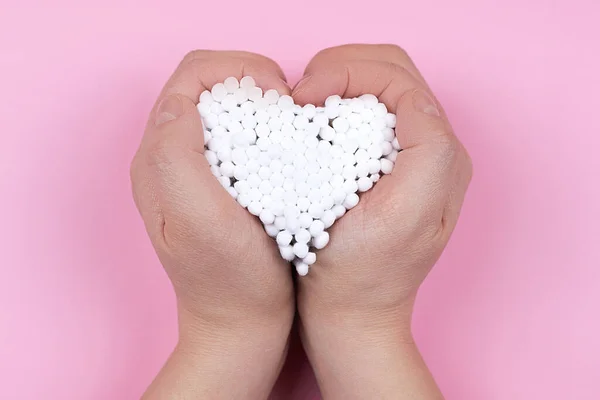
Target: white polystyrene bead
x: 310, y: 258
x: 247, y: 82
x: 351, y: 201
x: 284, y: 238
x: 316, y: 227
x: 271, y: 230
x: 218, y: 92
x: 392, y: 156
x: 232, y: 192
x: 339, y: 210
x: 302, y: 268
x: 287, y: 252
x: 328, y: 218
x: 386, y: 166
x: 305, y: 220
x: 364, y: 184
x: 340, y: 125
x: 224, y: 181
x: 280, y: 222
x: 267, y: 217
x: 321, y: 240
x: 302, y: 236
x: 271, y: 96
x: 243, y: 200
x: 300, y: 249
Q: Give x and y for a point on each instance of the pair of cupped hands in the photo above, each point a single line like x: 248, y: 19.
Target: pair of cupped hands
x: 236, y: 296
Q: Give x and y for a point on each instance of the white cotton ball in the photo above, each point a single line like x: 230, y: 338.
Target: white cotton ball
x: 232, y: 192
x: 271, y: 96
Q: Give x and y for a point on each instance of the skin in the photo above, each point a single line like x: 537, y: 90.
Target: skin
x: 234, y: 292
x: 356, y: 303
x: 235, y: 295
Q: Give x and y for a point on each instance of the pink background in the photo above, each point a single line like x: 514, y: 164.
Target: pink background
x: 510, y: 312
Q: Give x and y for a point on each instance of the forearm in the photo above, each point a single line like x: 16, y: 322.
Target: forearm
x: 206, y: 366
x: 353, y: 364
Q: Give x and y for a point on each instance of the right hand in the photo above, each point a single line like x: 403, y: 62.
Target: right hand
x: 356, y: 302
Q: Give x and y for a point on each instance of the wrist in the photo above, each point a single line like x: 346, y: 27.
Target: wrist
x: 366, y: 356
x: 212, y: 361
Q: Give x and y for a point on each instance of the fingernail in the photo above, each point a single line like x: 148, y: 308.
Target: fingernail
x: 301, y: 82
x: 170, y: 108
x: 423, y: 102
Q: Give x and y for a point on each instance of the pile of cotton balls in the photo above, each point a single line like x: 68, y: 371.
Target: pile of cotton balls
x: 296, y: 168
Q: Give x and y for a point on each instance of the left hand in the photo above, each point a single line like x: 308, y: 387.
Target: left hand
x: 234, y: 292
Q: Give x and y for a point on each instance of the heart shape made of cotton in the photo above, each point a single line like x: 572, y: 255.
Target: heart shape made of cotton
x: 298, y: 169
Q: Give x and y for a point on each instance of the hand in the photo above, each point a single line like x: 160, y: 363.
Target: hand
x: 356, y: 303
x: 234, y: 292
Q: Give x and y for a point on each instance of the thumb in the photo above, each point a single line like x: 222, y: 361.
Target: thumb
x: 429, y: 167
x: 172, y: 183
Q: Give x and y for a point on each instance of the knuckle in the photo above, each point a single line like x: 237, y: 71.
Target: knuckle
x: 195, y: 55
x: 395, y: 49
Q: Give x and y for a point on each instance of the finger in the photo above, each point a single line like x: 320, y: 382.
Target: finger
x: 202, y: 69
x: 424, y: 173
x: 389, y: 82
x: 386, y: 53
x: 170, y: 170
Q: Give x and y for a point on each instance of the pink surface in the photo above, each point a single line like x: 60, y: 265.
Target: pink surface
x: 510, y: 312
